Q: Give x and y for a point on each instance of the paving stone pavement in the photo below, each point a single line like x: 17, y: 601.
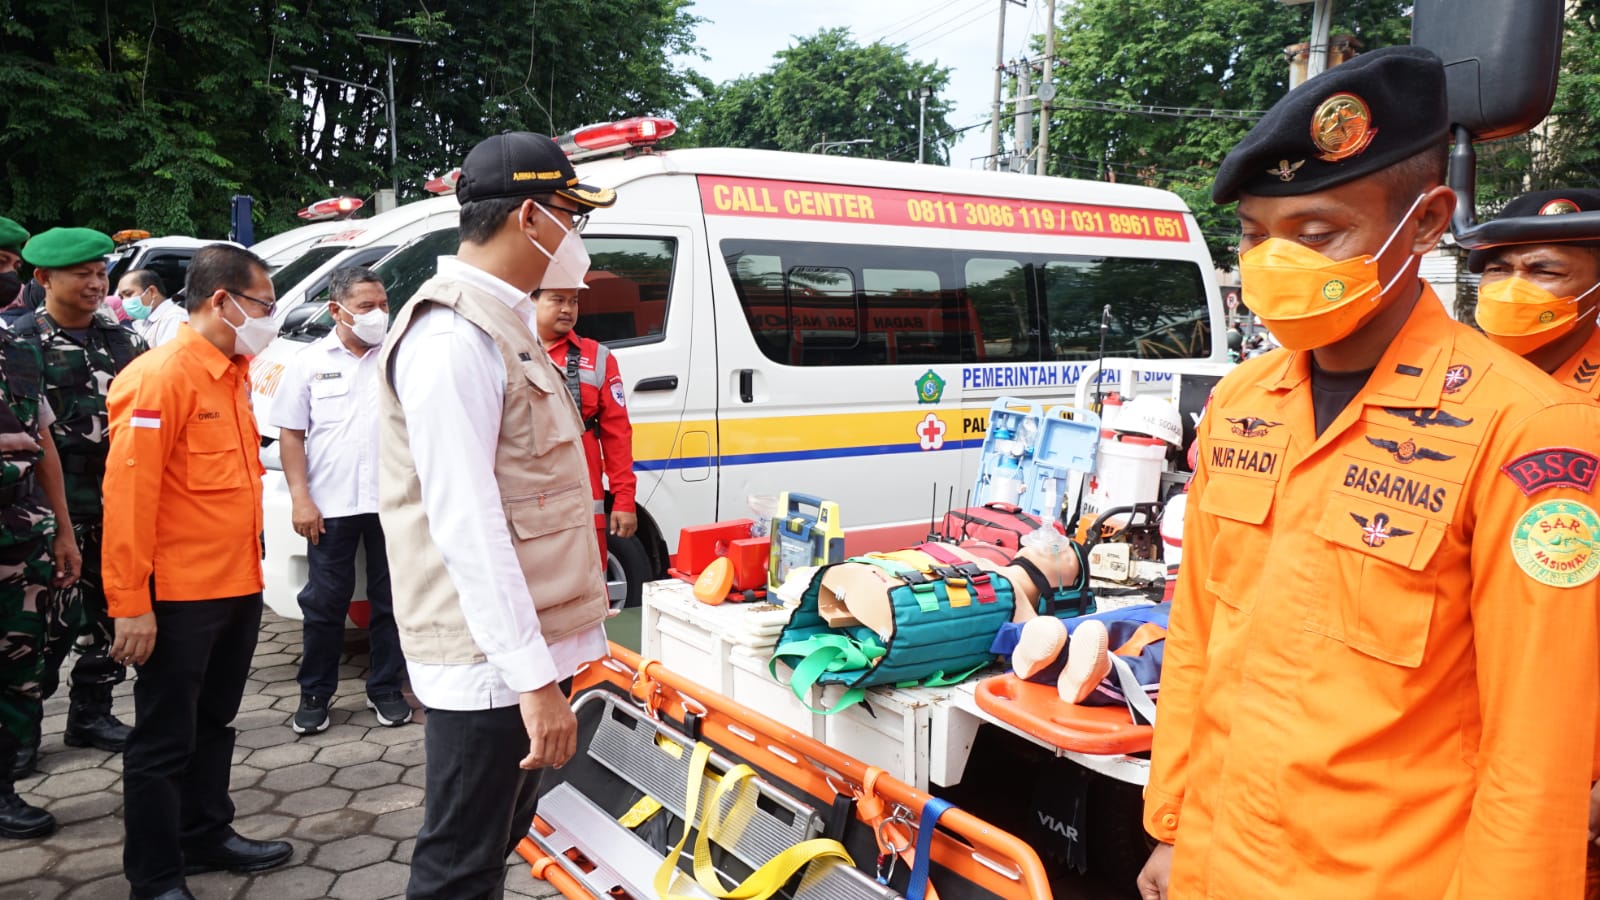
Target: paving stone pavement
x: 349, y: 799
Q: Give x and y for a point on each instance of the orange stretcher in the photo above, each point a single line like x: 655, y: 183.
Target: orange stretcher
x: 969, y: 856
x: 1038, y: 710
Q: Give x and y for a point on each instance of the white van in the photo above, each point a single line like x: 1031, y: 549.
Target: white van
x: 840, y: 327
x: 286, y: 247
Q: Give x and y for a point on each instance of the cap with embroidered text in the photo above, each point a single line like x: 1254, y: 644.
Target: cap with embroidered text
x: 62, y: 247
x: 523, y: 164
x: 1351, y: 121
x: 1543, y: 203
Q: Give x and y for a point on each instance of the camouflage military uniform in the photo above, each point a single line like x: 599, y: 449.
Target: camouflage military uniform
x: 77, y: 377
x: 26, y: 527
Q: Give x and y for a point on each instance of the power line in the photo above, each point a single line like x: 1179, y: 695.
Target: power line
x: 982, y: 13
x: 911, y: 21
x: 983, y: 6
x: 1144, y: 109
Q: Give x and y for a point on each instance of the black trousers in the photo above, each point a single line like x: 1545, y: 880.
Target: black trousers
x: 180, y: 754
x: 325, y: 601
x: 479, y: 805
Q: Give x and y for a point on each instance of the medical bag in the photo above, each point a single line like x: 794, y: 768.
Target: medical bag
x: 1001, y: 524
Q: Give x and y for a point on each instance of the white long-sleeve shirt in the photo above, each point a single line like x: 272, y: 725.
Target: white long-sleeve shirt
x: 451, y: 381
x: 162, y: 323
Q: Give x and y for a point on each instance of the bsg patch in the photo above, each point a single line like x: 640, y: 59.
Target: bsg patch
x: 1553, y: 543
x: 1553, y: 467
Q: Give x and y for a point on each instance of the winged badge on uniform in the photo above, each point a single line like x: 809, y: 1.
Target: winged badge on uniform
x: 1407, y: 452
x: 1378, y: 532
x: 1422, y: 418
x: 1285, y: 170
x: 1251, y: 426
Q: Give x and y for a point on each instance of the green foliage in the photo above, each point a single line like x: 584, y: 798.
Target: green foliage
x: 1199, y: 54
x: 826, y: 87
x: 153, y: 114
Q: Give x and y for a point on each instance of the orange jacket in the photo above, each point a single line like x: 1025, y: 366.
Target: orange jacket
x: 183, y: 479
x: 1582, y: 371
x: 1381, y: 675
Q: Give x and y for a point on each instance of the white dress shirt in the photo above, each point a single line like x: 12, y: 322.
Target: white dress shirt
x: 331, y: 394
x: 451, y: 382
x: 162, y: 323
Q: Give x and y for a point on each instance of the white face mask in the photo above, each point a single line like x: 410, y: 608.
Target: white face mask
x: 369, y: 327
x: 254, y: 335
x: 568, y: 264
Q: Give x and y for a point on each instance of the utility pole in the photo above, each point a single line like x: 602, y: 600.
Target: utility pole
x: 921, y: 93
x: 389, y: 41
x: 1047, y: 87
x: 1024, y: 114
x: 999, y: 72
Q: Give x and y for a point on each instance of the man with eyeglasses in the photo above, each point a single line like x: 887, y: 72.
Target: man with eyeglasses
x: 183, y: 573
x: 486, y: 504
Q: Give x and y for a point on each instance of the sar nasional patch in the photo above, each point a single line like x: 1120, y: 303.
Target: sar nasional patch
x: 1553, y: 543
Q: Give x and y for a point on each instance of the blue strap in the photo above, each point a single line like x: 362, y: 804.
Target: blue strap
x: 917, y: 887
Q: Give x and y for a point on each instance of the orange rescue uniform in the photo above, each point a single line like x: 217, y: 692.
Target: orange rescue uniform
x: 1581, y: 371
x: 1381, y: 675
x: 183, y: 478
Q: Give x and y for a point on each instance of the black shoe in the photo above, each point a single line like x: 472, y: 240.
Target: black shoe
x: 91, y: 724
x: 21, y: 821
x: 237, y: 854
x: 25, y: 761
x: 392, y: 708
x: 312, y: 717
x: 177, y: 893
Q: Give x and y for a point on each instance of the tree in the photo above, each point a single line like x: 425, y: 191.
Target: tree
x: 826, y: 87
x: 1213, y: 64
x: 152, y: 114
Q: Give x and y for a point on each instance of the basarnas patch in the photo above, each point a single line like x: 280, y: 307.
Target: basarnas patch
x: 1553, y: 543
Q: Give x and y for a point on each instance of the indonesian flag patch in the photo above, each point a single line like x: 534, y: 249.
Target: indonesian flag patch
x: 146, y: 418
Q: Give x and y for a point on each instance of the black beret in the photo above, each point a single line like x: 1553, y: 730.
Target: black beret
x: 1542, y: 203
x: 1352, y: 120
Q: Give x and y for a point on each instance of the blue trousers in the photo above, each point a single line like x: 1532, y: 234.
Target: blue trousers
x: 325, y: 602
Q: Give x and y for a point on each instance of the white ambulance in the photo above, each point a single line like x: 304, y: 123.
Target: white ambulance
x: 834, y: 326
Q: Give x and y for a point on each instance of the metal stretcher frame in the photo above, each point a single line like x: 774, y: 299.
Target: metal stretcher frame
x: 967, y: 847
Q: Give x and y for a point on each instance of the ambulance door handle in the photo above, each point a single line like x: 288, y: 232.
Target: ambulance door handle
x: 658, y: 383
x: 747, y: 385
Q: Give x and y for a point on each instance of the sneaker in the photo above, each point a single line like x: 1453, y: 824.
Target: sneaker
x: 312, y: 717
x: 391, y: 708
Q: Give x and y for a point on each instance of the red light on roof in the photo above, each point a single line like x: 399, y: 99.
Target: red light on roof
x: 331, y: 208
x: 609, y: 137
x: 443, y: 184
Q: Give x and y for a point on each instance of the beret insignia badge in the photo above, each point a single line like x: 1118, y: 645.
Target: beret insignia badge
x: 1342, y: 127
x: 1285, y: 170
x: 1558, y: 207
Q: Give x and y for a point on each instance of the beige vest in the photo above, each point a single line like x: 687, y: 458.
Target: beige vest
x: 544, y: 489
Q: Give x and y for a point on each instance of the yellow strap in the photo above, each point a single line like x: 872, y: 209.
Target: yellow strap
x: 763, y: 882
x: 640, y: 813
x: 955, y: 588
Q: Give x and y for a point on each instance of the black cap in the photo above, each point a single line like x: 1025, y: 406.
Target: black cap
x: 522, y: 164
x: 1542, y: 203
x: 1352, y: 120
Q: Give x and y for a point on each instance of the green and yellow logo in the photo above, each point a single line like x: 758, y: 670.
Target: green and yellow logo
x: 1554, y: 543
x: 930, y: 387
x: 1333, y: 290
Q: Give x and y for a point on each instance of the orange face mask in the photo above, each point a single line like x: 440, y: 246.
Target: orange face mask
x: 1522, y: 317
x: 1308, y: 300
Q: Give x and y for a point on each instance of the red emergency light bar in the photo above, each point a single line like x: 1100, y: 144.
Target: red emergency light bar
x: 443, y: 184
x: 331, y: 208
x: 595, y: 140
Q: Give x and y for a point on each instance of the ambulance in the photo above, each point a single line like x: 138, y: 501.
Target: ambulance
x: 833, y: 326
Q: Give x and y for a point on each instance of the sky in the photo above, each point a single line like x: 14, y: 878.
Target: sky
x: 741, y: 36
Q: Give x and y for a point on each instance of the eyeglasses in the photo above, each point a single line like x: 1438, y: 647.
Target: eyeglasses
x: 579, y: 220
x: 269, y: 307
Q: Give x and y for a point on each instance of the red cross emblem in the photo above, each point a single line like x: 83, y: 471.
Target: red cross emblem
x: 930, y: 434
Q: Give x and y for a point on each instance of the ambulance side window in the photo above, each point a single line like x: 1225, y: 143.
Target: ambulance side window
x: 1158, y: 308
x: 630, y: 285
x: 1005, y: 301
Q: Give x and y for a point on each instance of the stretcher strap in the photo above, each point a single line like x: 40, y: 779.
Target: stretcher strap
x: 764, y: 881
x: 918, y: 579
x: 1139, y: 702
x: 825, y: 653
x: 927, y: 820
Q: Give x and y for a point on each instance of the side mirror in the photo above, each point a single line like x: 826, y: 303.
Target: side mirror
x: 1501, y: 61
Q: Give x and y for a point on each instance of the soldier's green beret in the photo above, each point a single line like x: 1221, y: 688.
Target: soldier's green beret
x: 12, y: 235
x: 1352, y: 120
x: 62, y: 247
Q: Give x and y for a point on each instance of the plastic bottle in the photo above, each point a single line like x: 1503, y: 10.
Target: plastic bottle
x: 1005, y: 485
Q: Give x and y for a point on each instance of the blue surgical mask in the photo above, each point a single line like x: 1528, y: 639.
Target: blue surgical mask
x: 135, y: 308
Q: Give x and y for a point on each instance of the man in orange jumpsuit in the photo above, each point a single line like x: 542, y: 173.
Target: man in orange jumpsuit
x: 596, y: 387
x: 1380, y: 599
x: 1539, y: 301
